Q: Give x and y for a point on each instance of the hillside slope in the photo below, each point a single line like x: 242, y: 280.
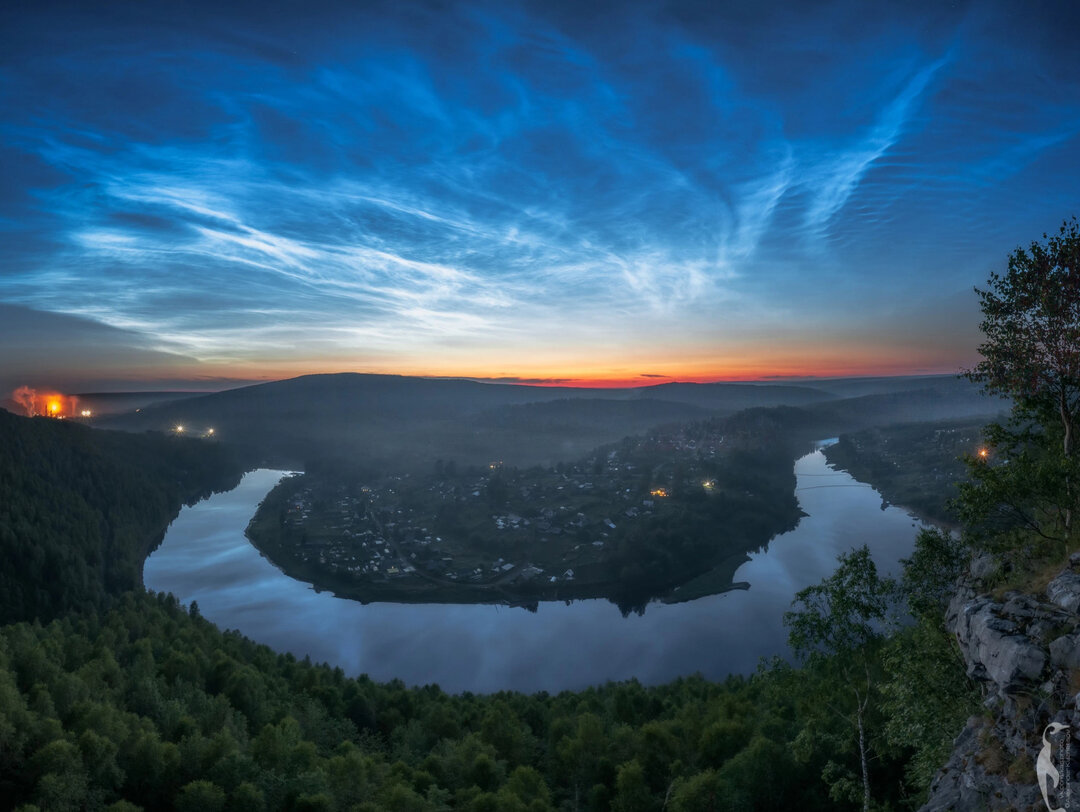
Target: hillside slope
x: 407, y: 423
x: 82, y: 508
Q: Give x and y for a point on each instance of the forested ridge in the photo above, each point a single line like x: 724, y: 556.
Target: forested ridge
x: 154, y: 706
x: 149, y: 705
x: 81, y: 509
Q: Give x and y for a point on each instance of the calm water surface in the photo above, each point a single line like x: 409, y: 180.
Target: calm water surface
x: 205, y: 557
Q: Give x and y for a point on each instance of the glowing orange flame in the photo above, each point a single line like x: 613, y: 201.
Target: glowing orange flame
x: 48, y: 403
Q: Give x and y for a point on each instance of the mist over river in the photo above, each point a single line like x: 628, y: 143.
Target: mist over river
x: 205, y: 557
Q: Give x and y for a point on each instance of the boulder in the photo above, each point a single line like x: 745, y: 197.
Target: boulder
x: 1065, y: 651
x: 994, y: 647
x: 983, y: 566
x: 1064, y: 591
x: 964, y: 785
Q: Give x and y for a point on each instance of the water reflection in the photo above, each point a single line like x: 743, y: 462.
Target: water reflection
x: 206, y: 558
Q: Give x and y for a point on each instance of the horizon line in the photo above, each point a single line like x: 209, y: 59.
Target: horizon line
x: 534, y: 382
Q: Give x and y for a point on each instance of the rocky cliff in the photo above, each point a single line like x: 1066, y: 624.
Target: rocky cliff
x: 1024, y: 649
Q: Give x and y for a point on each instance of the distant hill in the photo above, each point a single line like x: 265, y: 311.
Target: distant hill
x: 575, y: 414
x: 404, y: 422
x: 732, y: 397
x: 400, y: 420
x: 103, y: 403
x: 107, y: 403
x: 943, y: 400
x: 858, y: 387
x: 408, y: 398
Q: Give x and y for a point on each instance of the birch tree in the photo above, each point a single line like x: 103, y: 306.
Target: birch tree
x: 843, y: 619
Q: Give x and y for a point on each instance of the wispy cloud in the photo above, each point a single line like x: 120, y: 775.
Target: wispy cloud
x: 833, y: 181
x: 509, y: 181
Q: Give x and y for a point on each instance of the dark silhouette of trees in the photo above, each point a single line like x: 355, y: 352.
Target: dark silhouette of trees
x: 1031, y: 354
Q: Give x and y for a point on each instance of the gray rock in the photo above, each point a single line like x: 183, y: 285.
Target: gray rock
x: 1041, y: 631
x: 963, y: 785
x: 1025, y: 606
x: 994, y: 647
x: 1024, y: 650
x: 1065, y: 651
x: 1064, y: 591
x: 960, y: 611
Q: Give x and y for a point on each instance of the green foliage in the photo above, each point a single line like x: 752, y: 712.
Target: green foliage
x: 867, y: 690
x: 94, y: 711
x: 1031, y: 323
x: 924, y: 722
x: 704, y: 792
x: 81, y: 509
x: 1031, y: 353
x: 1020, y: 492
x: 200, y: 796
x: 842, y: 614
x: 916, y: 465
x: 841, y: 621
x: 631, y: 791
x: 931, y: 571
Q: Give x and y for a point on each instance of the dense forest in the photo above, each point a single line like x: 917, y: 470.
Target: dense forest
x: 147, y: 705
x: 81, y: 509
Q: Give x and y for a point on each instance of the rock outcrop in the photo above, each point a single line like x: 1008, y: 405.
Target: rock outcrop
x: 1025, y: 652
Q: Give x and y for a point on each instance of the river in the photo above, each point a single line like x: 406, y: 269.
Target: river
x: 205, y: 557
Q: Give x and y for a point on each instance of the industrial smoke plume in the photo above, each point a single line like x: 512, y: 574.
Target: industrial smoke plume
x: 49, y: 404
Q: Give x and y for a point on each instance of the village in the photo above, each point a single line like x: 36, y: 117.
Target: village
x: 493, y: 528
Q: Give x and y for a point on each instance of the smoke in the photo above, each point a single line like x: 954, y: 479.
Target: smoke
x: 50, y: 404
x: 25, y: 397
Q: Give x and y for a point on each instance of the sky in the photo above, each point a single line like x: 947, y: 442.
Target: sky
x: 194, y: 196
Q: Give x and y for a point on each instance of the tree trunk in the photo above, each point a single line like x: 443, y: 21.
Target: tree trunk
x: 667, y: 795
x: 860, y: 705
x: 1066, y: 422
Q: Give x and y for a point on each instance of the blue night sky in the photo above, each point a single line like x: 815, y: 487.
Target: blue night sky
x: 579, y: 191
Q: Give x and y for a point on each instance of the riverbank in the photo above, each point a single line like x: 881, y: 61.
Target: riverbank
x: 914, y: 466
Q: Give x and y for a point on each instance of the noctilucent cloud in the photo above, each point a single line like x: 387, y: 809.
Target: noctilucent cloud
x: 547, y: 191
